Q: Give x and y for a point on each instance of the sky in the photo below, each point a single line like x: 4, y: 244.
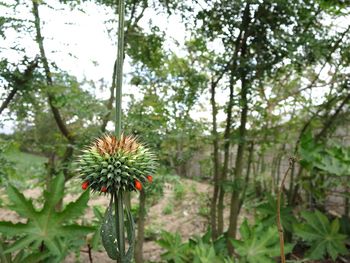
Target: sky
x: 79, y: 43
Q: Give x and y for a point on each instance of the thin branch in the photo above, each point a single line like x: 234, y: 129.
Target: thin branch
x: 316, y: 78
x: 55, y: 111
x: 330, y: 120
x: 8, y: 99
x: 109, y: 105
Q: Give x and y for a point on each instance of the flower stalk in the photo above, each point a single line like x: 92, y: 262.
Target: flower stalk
x: 119, y: 75
x: 115, y: 165
x: 118, y: 196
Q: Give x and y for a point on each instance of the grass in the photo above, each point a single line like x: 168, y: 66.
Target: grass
x: 168, y: 209
x: 179, y: 191
x: 204, y: 204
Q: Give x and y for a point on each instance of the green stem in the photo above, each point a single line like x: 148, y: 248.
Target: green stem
x: 119, y: 75
x: 118, y: 196
x: 119, y: 212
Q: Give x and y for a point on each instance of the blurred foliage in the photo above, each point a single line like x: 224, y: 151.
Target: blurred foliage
x: 258, y: 244
x: 293, y: 54
x: 267, y: 214
x: 331, y: 158
x: 7, y: 167
x: 197, y: 249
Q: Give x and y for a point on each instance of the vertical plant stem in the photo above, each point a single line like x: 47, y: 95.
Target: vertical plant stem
x: 119, y: 75
x: 119, y: 212
x: 118, y: 196
x: 279, y: 225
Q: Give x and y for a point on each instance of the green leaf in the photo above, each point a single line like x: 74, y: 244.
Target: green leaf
x: 267, y: 214
x: 20, y: 244
x: 12, y: 229
x: 22, y: 206
x: 322, y: 236
x: 55, y: 194
x: 75, y: 209
x: 36, y: 257
x: 108, y: 233
x: 176, y: 251
x: 47, y: 227
x: 76, y: 230
x: 259, y: 244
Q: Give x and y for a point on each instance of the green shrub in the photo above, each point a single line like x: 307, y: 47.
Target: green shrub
x: 179, y: 191
x: 267, y: 214
x: 204, y: 205
x: 155, y: 191
x: 168, y: 209
x: 7, y: 169
x: 135, y: 208
x: 258, y: 243
x: 197, y: 249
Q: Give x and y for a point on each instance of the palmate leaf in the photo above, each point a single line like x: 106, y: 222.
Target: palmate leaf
x: 47, y: 226
x: 322, y: 236
x: 258, y: 244
x: 95, y: 240
x: 268, y: 216
x: 20, y: 205
x: 21, y: 256
x: 176, y: 251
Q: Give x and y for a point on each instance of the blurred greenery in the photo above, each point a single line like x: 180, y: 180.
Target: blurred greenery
x: 223, y: 92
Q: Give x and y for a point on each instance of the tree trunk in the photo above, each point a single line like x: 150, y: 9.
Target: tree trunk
x: 235, y: 200
x: 140, y: 228
x: 216, y: 172
x: 234, y: 207
x: 246, y: 180
x: 227, y: 143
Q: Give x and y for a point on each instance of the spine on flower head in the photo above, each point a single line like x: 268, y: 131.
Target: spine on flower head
x: 112, y: 163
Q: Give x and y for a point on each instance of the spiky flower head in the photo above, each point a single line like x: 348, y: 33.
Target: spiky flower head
x: 112, y: 164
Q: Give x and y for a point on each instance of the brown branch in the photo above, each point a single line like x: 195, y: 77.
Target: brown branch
x: 55, y: 111
x: 90, y: 255
x: 8, y: 99
x: 279, y: 225
x: 330, y: 120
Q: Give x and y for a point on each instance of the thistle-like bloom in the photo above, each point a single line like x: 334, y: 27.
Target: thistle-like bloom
x: 110, y: 165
